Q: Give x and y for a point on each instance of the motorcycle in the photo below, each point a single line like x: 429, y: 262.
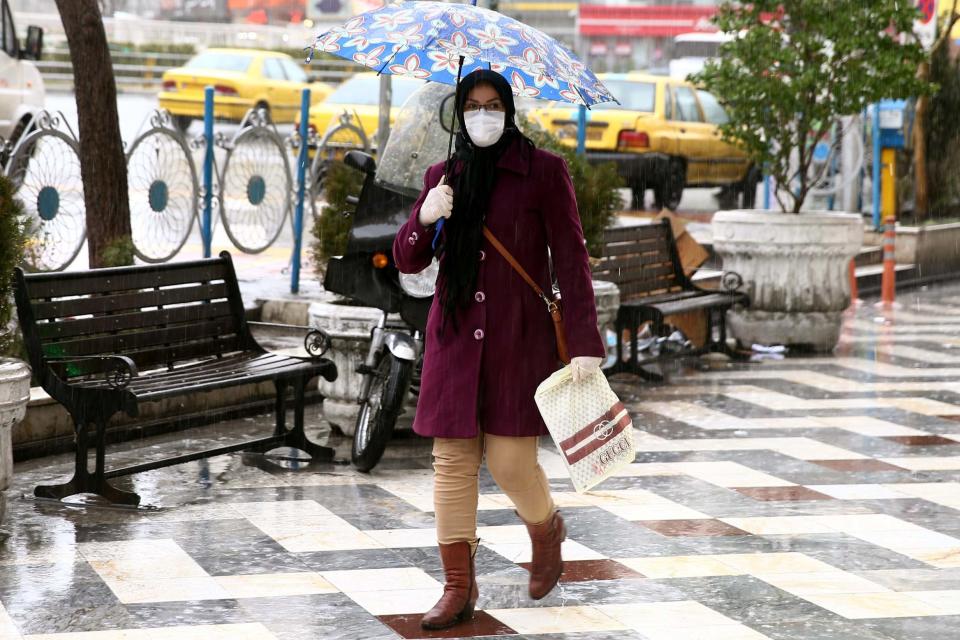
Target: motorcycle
x: 367, y: 275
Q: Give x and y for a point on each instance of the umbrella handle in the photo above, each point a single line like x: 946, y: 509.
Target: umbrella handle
x: 436, y: 236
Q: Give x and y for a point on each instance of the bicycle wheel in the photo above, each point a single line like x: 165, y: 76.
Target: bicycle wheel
x: 256, y: 189
x: 45, y: 171
x: 164, y: 194
x: 378, y: 414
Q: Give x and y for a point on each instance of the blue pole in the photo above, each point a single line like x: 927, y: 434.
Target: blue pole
x: 301, y: 188
x: 875, y: 134
x: 206, y: 224
x: 581, y: 130
x: 766, y: 192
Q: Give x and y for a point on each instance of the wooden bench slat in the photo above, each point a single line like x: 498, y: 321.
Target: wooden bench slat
x: 626, y: 248
x: 126, y: 321
x: 65, y: 308
x: 710, y: 300
x: 121, y: 343
x: 633, y: 233
x: 127, y: 279
x: 152, y: 357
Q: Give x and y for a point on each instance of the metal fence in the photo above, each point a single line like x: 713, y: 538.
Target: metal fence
x: 253, y: 186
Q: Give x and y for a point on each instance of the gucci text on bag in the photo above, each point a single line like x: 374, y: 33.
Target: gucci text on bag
x: 597, y: 434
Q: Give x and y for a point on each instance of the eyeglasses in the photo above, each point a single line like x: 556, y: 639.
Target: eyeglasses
x: 494, y: 106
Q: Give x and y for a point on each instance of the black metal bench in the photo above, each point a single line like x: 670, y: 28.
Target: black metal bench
x: 643, y: 262
x: 109, y: 340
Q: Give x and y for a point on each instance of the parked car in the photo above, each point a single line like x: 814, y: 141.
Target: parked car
x: 242, y: 79
x: 22, y: 93
x: 359, y: 97
x: 663, y: 135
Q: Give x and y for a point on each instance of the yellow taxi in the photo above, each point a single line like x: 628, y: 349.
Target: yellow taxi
x: 663, y: 135
x: 242, y: 79
x: 357, y: 101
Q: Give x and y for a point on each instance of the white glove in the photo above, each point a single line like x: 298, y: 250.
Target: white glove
x: 583, y: 367
x: 438, y: 203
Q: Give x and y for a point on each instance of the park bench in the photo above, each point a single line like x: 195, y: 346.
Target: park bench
x: 110, y: 340
x: 643, y: 261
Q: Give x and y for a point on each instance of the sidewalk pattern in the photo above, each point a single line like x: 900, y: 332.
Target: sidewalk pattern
x: 800, y: 499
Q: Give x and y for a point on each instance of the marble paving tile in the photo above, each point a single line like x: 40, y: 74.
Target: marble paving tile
x: 772, y: 564
x: 947, y: 601
x: 681, y: 566
x: 248, y: 631
x: 670, y: 615
x: 874, y: 605
x: 8, y: 630
x: 557, y: 620
x: 729, y: 474
x: 398, y: 601
x: 363, y: 580
x: 857, y: 465
x: 859, y: 491
x: 780, y: 525
x: 705, y: 632
x: 926, y: 463
x: 692, y: 528
x: 821, y: 583
x: 404, y: 538
x: 482, y: 624
x: 782, y: 493
x: 945, y: 493
x: 590, y: 570
x: 273, y: 585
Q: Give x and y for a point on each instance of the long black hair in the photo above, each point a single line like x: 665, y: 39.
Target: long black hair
x: 472, y: 173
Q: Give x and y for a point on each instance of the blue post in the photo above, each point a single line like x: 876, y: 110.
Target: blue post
x: 301, y: 188
x: 581, y: 130
x: 875, y: 134
x: 206, y: 223
x: 766, y: 192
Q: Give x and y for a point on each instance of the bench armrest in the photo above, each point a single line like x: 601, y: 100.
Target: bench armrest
x: 118, y: 370
x: 315, y: 341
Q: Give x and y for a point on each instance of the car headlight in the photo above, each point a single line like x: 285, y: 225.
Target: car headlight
x: 423, y: 284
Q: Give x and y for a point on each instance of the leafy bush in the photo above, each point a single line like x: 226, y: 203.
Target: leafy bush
x: 12, y: 242
x: 796, y: 65
x: 330, y: 229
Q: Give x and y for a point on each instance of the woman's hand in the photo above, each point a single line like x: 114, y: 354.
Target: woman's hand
x: 438, y: 203
x: 583, y: 367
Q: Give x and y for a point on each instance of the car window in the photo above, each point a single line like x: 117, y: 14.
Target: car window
x: 687, y: 109
x: 633, y: 95
x: 220, y: 61
x: 713, y: 111
x: 9, y: 36
x: 365, y: 90
x: 272, y: 69
x: 292, y: 70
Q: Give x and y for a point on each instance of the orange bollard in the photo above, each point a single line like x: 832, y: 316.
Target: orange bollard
x: 854, y: 294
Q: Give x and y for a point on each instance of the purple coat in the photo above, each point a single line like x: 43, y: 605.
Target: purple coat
x: 485, y: 374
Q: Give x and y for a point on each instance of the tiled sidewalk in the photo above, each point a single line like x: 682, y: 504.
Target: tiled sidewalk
x: 802, y: 499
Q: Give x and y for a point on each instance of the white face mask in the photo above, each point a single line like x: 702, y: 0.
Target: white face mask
x: 483, y: 127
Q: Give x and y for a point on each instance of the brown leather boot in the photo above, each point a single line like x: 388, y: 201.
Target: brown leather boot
x: 460, y: 592
x: 547, y: 564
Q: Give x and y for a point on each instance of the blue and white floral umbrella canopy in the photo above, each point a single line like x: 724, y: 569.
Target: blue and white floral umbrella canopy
x: 425, y: 40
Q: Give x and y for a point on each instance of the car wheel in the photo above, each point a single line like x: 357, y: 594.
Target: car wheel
x: 265, y: 108
x: 638, y: 191
x: 182, y: 123
x: 668, y: 192
x: 748, y: 188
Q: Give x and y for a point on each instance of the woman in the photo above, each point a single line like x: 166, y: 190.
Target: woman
x: 490, y: 340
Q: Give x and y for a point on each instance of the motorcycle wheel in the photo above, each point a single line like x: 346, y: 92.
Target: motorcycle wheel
x: 378, y: 414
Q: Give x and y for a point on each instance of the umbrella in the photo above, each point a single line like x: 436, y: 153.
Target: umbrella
x: 439, y: 41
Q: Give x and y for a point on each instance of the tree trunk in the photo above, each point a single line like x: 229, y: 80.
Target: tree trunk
x: 103, y: 165
x: 921, y: 184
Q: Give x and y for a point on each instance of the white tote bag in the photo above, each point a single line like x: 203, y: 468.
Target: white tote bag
x: 590, y: 426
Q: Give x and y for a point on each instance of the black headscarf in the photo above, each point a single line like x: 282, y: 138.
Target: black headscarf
x: 473, y: 174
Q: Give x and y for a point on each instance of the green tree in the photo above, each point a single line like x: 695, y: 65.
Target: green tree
x: 796, y: 65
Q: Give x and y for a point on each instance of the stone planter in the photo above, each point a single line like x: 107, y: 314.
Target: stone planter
x: 349, y: 329
x: 14, y: 395
x: 795, y: 270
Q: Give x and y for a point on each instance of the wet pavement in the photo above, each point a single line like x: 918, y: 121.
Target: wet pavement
x: 808, y: 498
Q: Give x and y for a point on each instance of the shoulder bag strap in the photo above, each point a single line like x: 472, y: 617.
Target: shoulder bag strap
x: 552, y: 307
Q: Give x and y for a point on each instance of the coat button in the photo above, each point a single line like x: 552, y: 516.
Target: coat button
x: 479, y: 296
x: 415, y: 235
x: 412, y: 240
x: 478, y: 334
x: 483, y: 255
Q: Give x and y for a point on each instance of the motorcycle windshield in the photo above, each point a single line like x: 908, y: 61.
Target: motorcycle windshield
x: 418, y: 139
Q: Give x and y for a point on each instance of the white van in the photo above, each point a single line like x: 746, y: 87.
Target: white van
x: 692, y: 50
x: 21, y: 87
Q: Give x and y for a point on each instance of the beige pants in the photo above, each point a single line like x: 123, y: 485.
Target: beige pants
x: 512, y: 462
